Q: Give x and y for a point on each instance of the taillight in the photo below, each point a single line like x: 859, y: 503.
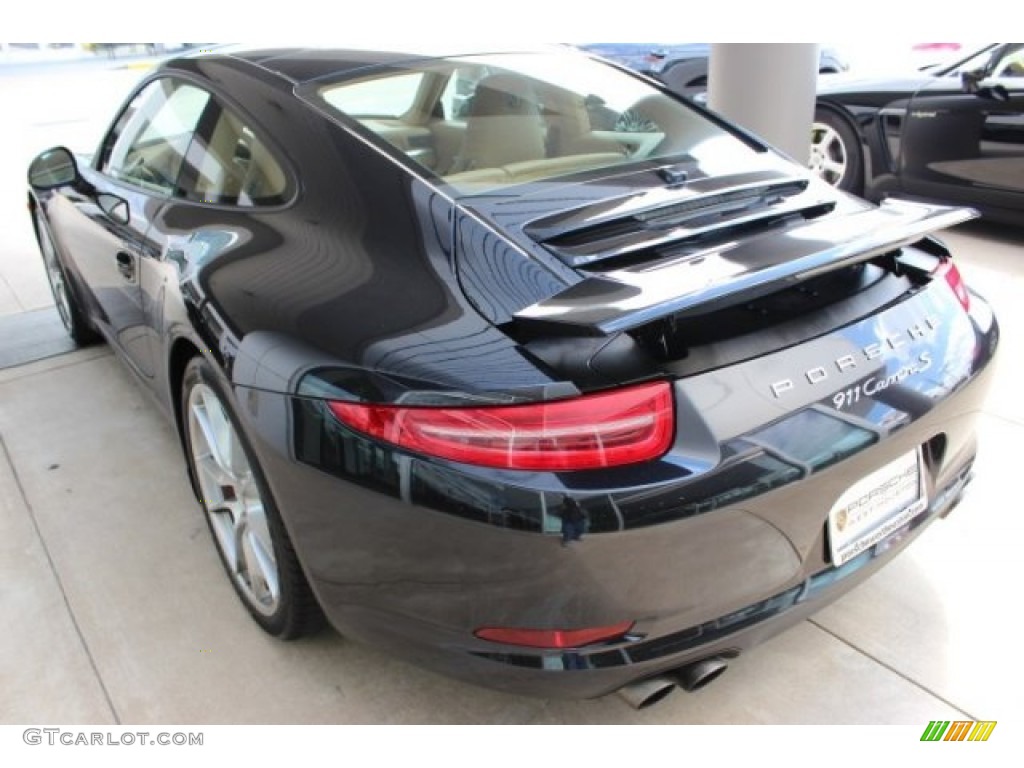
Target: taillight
x: 608, y: 429
x: 947, y: 270
x: 553, y: 638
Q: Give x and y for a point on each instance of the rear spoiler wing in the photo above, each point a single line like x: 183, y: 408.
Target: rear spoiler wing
x: 736, y: 271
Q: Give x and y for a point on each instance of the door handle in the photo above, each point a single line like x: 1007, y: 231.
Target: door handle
x: 126, y: 265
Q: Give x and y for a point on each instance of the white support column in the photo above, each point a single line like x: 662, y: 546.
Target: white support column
x: 768, y: 88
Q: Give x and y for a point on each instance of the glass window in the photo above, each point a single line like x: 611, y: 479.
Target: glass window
x: 978, y: 60
x: 459, y: 90
x: 149, y: 141
x: 1010, y: 63
x: 490, y: 121
x: 390, y: 97
x: 228, y: 165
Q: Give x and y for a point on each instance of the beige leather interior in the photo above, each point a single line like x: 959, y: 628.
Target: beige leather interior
x: 236, y: 167
x: 659, y: 110
x: 504, y: 126
x: 447, y: 136
x: 531, y: 170
x: 218, y: 176
x: 590, y: 144
x: 414, y: 140
x: 556, y: 166
x: 482, y: 177
x: 507, y: 137
x: 264, y: 177
x: 511, y: 134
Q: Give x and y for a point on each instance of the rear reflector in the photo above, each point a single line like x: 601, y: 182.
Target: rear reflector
x: 553, y: 638
x: 947, y: 269
x: 622, y: 426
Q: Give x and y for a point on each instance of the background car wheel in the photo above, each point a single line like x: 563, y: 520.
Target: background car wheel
x: 78, y: 326
x: 835, y: 151
x: 247, y: 529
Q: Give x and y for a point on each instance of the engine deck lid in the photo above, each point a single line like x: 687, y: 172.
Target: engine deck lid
x: 701, y: 279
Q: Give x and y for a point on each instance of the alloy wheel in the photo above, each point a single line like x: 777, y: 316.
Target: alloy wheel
x: 829, y: 154
x: 232, y: 499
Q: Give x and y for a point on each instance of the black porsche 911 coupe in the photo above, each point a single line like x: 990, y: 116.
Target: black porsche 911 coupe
x: 952, y: 133
x: 517, y: 365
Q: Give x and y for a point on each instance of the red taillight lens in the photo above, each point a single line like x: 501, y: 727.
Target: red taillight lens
x: 947, y: 269
x: 553, y: 638
x: 623, y: 426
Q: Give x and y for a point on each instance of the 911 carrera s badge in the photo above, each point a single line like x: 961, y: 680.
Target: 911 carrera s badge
x: 853, y: 360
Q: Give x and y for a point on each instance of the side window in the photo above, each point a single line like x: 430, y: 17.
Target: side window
x: 978, y: 61
x: 1011, y: 63
x: 149, y: 141
x: 228, y: 165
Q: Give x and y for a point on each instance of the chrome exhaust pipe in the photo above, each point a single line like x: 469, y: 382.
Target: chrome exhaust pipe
x: 695, y: 676
x: 647, y: 692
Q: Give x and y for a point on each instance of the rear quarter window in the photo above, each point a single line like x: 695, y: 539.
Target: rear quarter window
x: 227, y: 164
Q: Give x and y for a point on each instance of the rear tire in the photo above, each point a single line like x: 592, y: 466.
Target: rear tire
x: 243, y: 518
x: 75, y: 320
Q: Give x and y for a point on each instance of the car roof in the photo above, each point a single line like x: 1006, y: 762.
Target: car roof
x: 302, y: 64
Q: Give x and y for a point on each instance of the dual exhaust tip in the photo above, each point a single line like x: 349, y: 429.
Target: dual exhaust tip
x: 692, y: 677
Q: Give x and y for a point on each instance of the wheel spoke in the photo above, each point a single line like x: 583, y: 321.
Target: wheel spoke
x: 217, y: 446
x: 834, y: 166
x: 228, y: 525
x: 219, y: 484
x: 223, y: 433
x: 260, y: 566
x: 828, y: 139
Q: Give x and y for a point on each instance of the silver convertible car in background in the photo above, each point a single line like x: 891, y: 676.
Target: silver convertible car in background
x: 517, y: 365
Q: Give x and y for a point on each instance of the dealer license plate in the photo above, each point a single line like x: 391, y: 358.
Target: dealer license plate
x: 875, y: 507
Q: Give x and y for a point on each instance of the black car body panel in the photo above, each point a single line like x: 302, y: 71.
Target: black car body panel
x: 953, y: 134
x: 809, y: 340
x: 714, y: 547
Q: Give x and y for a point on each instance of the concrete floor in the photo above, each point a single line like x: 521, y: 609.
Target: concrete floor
x: 119, y: 612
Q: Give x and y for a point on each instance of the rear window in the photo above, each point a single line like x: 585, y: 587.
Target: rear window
x: 382, y: 97
x: 479, y: 123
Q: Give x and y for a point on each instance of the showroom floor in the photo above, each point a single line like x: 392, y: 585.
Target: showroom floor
x: 118, y: 610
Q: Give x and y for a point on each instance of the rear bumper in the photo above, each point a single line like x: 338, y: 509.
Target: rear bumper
x: 709, y: 551
x: 594, y: 672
